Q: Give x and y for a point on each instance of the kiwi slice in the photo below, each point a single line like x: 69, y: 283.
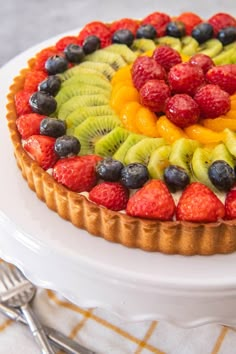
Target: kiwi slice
x: 89, y: 79
x: 103, y: 68
x: 115, y: 60
x: 81, y: 113
x: 111, y: 142
x: 70, y: 91
x: 81, y: 101
x: 225, y: 57
x: 92, y: 130
x: 127, y: 54
x: 182, y: 152
x: 159, y: 160
x: 230, y: 141
x: 142, y: 151
x: 189, y: 45
x: 174, y: 43
x: 220, y: 152
x: 78, y: 69
x: 143, y: 45
x: 201, y: 161
x: 123, y: 149
x: 212, y: 47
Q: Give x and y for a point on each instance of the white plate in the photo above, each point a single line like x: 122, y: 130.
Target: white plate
x: 91, y: 272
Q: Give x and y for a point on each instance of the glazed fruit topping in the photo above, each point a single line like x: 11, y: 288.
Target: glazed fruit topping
x: 134, y: 175
x: 222, y: 175
x: 22, y: 102
x: 175, y: 29
x: 203, y: 32
x: 32, y: 80
x: 74, y: 53
x: 223, y: 76
x: 230, y: 205
x: 91, y: 44
x: 56, y: 64
x: 221, y: 20
x: 124, y: 23
x: 154, y: 94
x: 98, y: 29
x: 227, y: 35
x: 62, y: 43
x: 158, y: 20
x: 50, y: 85
x: 123, y: 36
x: 146, y: 31
x: 29, y: 124
x: 42, y: 103
x: 109, y: 169
x: 166, y: 56
x: 202, y: 60
x: 66, y: 145
x: 176, y: 178
x: 52, y: 127
x: 190, y: 20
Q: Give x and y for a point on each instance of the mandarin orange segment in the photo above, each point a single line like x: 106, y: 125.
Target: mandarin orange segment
x: 146, y: 122
x: 119, y: 85
x: 121, y: 75
x: 168, y: 130
x: 231, y: 114
x: 148, y: 53
x: 128, y: 116
x: 203, y: 135
x: 184, y: 57
x: 233, y: 97
x: 220, y: 123
x: 233, y: 104
x: 122, y: 96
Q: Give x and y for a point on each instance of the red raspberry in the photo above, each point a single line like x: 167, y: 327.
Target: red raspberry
x: 185, y: 78
x: 65, y: 41
x: 199, y: 204
x: 212, y: 101
x: 22, y: 102
x: 202, y: 60
x: 29, y: 124
x: 33, y: 79
x: 112, y: 195
x: 182, y: 110
x: 159, y: 21
x: 230, y: 205
x: 154, y: 94
x: 96, y: 28
x: 152, y: 201
x: 190, y: 20
x: 166, y: 56
x: 145, y: 68
x: 43, y: 56
x: 221, y: 20
x: 124, y: 23
x: 223, y: 76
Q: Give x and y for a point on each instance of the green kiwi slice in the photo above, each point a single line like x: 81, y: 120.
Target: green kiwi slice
x: 115, y: 60
x: 174, y: 43
x: 103, y: 68
x: 89, y: 79
x: 220, y: 152
x: 230, y: 141
x: 77, y: 70
x: 142, y: 151
x: 143, y: 45
x: 127, y: 54
x: 124, y: 148
x: 212, y: 47
x: 201, y: 161
x: 158, y: 161
x: 189, y: 45
x: 110, y: 143
x: 92, y: 130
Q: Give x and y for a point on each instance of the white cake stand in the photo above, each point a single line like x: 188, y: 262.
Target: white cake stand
x: 91, y: 272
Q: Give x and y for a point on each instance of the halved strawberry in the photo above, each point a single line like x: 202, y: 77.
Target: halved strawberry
x: 62, y: 43
x: 42, y: 57
x: 124, y: 23
x: 96, y: 28
x: 190, y: 20
x: 33, y: 79
x: 22, y: 102
x: 221, y: 20
x: 29, y: 124
x: 158, y: 20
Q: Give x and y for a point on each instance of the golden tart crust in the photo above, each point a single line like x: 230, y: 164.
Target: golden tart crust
x: 169, y: 237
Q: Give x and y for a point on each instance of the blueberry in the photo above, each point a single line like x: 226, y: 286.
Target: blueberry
x: 42, y: 103
x: 175, y: 29
x: 67, y: 146
x: 50, y: 85
x: 176, y: 178
x: 227, y: 35
x: 134, y: 175
x: 221, y: 175
x: 74, y: 53
x: 123, y: 36
x: 203, y: 32
x: 56, y: 64
x: 146, y: 31
x: 90, y: 44
x: 109, y: 169
x: 52, y: 127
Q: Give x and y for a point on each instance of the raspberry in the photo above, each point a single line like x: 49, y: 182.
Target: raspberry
x: 124, y: 23
x: 185, y: 78
x: 223, y: 76
x: 190, y: 20
x: 154, y: 94
x: 22, y: 102
x: 65, y: 41
x: 43, y: 56
x: 159, y: 21
x: 212, y: 101
x: 221, y: 20
x: 166, y: 56
x: 202, y: 60
x: 182, y: 110
x: 145, y: 68
x: 98, y: 29
x: 33, y: 79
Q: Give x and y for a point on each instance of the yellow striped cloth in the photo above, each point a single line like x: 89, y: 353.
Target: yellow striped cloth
x: 106, y: 334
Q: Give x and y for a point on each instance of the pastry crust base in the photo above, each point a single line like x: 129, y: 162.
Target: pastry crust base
x: 173, y: 237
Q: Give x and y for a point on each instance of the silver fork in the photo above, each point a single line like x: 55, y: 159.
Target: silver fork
x: 18, y: 292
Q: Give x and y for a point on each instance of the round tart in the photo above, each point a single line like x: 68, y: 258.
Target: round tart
x: 127, y: 130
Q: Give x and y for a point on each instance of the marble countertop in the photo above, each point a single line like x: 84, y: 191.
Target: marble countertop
x: 24, y: 23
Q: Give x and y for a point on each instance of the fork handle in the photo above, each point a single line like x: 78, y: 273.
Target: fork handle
x: 37, y: 330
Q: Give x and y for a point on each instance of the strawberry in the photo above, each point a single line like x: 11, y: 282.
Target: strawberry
x: 199, y: 204
x: 185, y: 78
x: 190, y: 20
x: 152, y: 201
x: 221, y: 20
x: 166, y: 56
x: 154, y: 94
x: 158, y: 20
x: 182, y: 110
x: 22, y: 102
x: 230, y: 205
x: 145, y: 68
x: 42, y: 57
x: 41, y: 149
x: 112, y: 195
x: 212, y: 101
x: 33, y: 79
x: 96, y: 28
x: 62, y: 43
x: 203, y: 60
x: 77, y: 173
x: 223, y: 76
x: 29, y: 124
x: 124, y: 23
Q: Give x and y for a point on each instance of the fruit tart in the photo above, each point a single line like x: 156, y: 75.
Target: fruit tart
x: 128, y: 130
